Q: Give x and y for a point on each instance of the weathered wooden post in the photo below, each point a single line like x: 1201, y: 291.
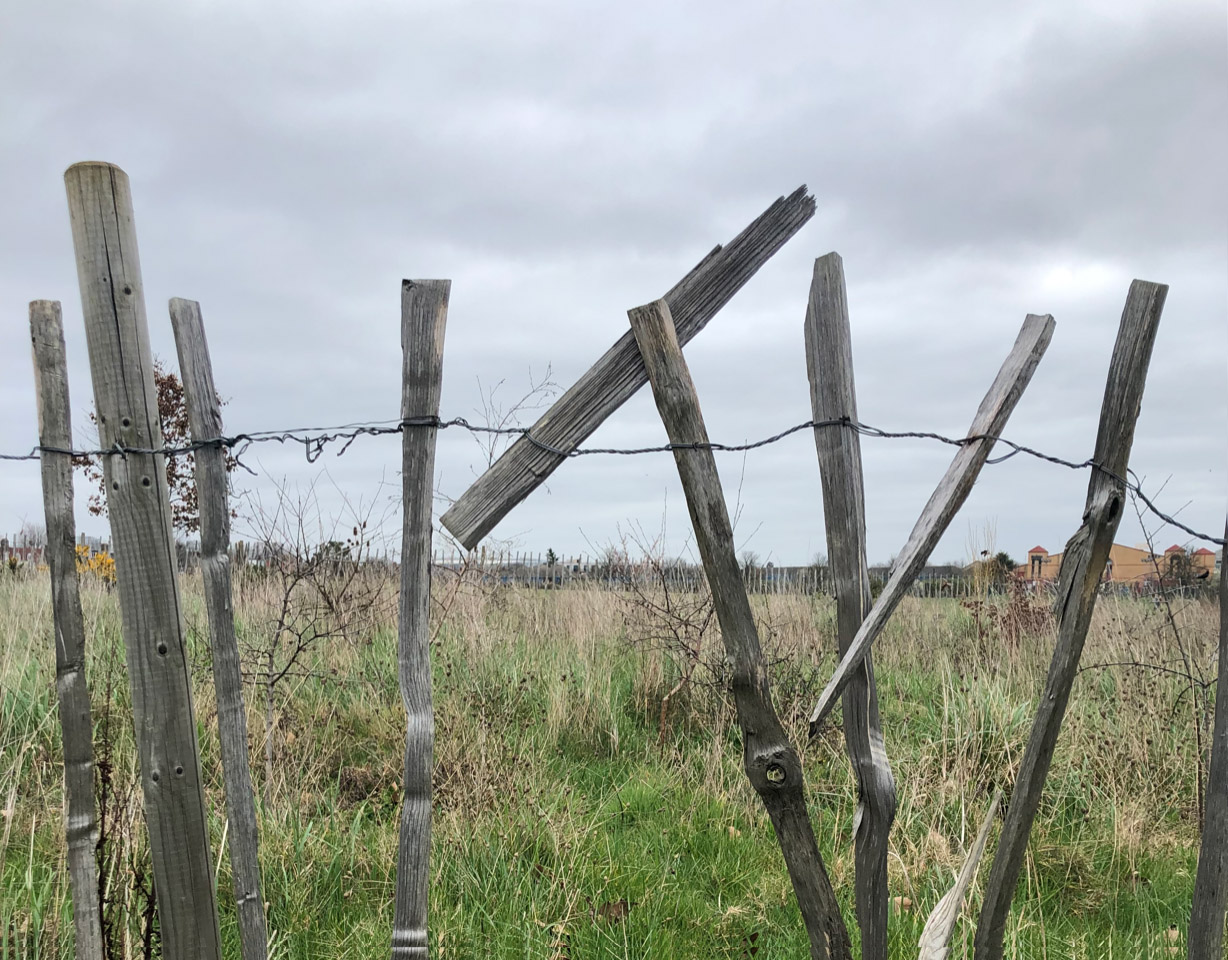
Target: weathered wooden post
x: 76, y: 726
x: 1206, y: 940
x: 829, y: 363
x: 945, y: 501
x: 614, y: 378
x: 213, y: 501
x: 109, y: 271
x: 771, y: 762
x: 1078, y: 585
x: 424, y: 315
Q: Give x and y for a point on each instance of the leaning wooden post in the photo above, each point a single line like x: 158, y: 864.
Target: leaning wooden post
x: 1206, y: 938
x: 100, y: 206
x: 205, y: 421
x: 619, y: 373
x: 945, y: 501
x: 771, y: 763
x: 829, y: 363
x: 424, y: 315
x: 1078, y: 585
x: 76, y: 726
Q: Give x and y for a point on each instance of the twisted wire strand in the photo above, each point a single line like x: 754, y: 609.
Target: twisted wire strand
x: 316, y: 439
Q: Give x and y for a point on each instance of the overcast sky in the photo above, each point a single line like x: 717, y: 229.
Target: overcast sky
x: 562, y: 162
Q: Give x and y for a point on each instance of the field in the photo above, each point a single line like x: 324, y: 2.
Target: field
x: 577, y: 817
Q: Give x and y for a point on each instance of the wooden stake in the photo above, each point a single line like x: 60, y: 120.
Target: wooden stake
x: 613, y: 379
x: 1206, y: 940
x: 424, y: 315
x: 829, y: 362
x: 76, y: 725
x: 770, y: 761
x: 1078, y: 585
x: 108, y: 267
x: 946, y: 500
x: 213, y: 501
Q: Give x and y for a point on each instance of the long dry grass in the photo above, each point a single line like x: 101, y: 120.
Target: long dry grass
x: 588, y: 804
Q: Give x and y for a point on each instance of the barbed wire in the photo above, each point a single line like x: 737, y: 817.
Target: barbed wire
x: 316, y: 439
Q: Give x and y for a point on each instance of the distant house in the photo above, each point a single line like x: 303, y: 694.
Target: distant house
x: 1126, y: 564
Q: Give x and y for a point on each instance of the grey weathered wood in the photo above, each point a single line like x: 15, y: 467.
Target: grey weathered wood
x: 76, y: 726
x: 829, y: 364
x: 424, y: 315
x: 1078, y: 584
x: 213, y: 502
x: 613, y: 379
x: 944, y: 503
x: 125, y: 400
x: 1206, y: 939
x: 935, y: 940
x: 771, y: 762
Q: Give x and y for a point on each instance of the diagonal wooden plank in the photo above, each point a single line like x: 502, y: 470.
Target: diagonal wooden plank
x: 829, y: 364
x: 1078, y: 585
x: 946, y: 500
x: 613, y: 379
x: 771, y: 762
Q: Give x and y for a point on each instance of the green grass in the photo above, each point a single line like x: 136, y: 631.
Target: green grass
x: 558, y: 796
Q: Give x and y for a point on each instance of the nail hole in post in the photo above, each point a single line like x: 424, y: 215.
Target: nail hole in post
x: 162, y: 648
x: 145, y: 481
x: 179, y: 771
x: 125, y: 422
x: 155, y: 776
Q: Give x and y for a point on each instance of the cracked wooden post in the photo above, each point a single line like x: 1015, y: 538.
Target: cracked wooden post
x: 829, y: 363
x: 424, y: 315
x: 76, y: 726
x: 213, y: 501
x: 944, y: 503
x: 619, y: 373
x: 771, y: 763
x: 1078, y: 585
x: 138, y: 504
x: 1206, y: 940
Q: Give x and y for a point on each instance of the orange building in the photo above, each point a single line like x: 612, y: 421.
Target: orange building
x: 1126, y: 564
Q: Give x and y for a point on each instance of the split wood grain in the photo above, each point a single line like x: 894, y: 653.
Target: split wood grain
x: 213, y: 502
x: 424, y: 316
x: 944, y: 503
x: 829, y: 363
x: 76, y: 724
x: 1078, y: 585
x: 613, y: 379
x: 935, y: 943
x: 125, y: 400
x: 770, y: 761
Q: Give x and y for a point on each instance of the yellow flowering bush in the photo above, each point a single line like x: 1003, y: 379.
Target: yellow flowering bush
x: 100, y: 564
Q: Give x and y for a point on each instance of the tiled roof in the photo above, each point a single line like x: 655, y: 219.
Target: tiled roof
x: 1037, y: 550
x: 1203, y: 552
x: 1175, y: 548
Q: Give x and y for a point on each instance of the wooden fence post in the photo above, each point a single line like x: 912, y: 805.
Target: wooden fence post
x: 1206, y: 939
x: 424, y: 315
x: 771, y: 762
x: 76, y: 726
x: 944, y: 503
x: 205, y: 422
x: 613, y: 379
x: 829, y: 362
x: 109, y: 271
x: 1079, y: 582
